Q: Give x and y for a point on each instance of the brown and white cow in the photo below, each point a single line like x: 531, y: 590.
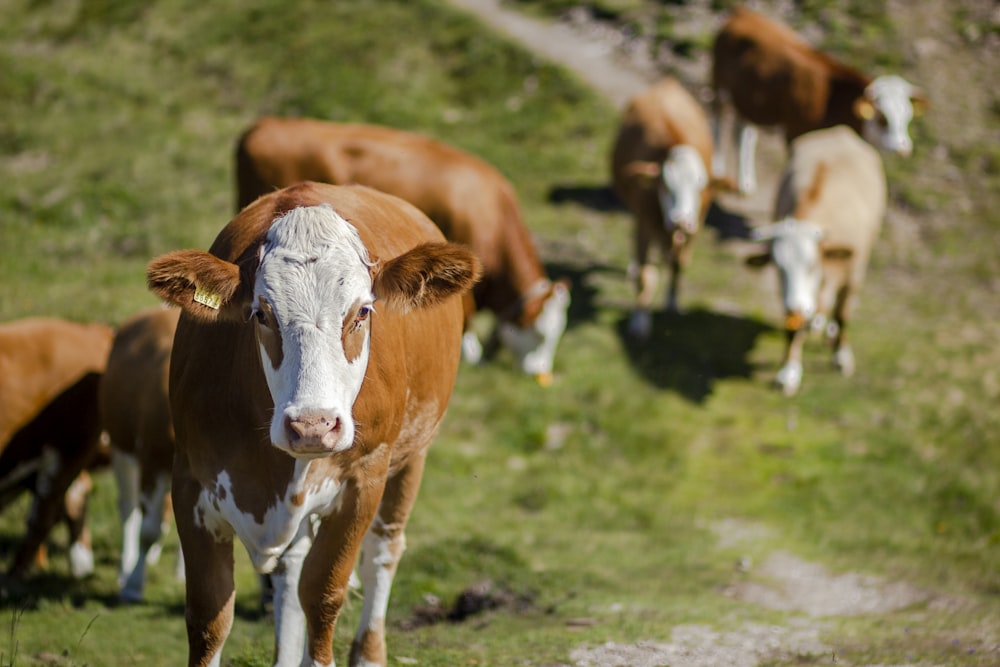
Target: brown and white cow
x: 312, y: 365
x: 660, y: 170
x: 50, y: 371
x: 135, y: 412
x: 829, y: 210
x: 468, y: 199
x: 764, y: 74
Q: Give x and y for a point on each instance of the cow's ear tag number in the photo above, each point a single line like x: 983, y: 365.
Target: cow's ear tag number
x: 206, y: 298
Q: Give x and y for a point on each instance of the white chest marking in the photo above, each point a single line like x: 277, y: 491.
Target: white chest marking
x: 265, y: 541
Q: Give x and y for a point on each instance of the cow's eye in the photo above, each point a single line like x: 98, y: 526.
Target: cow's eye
x: 363, y: 313
x: 260, y: 317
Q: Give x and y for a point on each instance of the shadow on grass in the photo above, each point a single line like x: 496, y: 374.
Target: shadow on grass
x: 583, y: 294
x: 689, y: 352
x: 595, y: 197
x: 728, y: 224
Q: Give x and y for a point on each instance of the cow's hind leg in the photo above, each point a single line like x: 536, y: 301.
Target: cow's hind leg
x: 747, y: 166
x: 383, y: 548
x: 81, y: 551
x: 843, y: 356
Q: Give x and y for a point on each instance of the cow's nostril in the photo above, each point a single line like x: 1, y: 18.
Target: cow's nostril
x: 309, y: 430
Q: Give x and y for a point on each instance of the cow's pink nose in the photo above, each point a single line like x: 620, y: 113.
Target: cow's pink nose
x: 312, y: 432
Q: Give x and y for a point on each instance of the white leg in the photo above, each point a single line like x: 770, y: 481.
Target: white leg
x: 289, y: 620
x: 747, y: 166
x: 790, y: 377
x: 472, y: 349
x: 126, y: 470
x: 380, y: 553
x: 843, y: 359
x: 81, y: 555
x: 151, y: 530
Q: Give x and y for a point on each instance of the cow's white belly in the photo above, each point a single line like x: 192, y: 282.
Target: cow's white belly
x: 266, y: 540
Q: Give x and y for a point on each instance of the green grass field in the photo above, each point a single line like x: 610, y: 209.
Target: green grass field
x: 611, y: 506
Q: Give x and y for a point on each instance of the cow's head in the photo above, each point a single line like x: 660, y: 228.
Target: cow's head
x: 886, y: 108
x: 310, y: 300
x: 796, y: 248
x: 533, y: 335
x: 680, y: 181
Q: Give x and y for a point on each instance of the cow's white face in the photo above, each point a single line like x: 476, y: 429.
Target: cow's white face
x: 888, y: 122
x: 312, y: 301
x: 795, y: 250
x: 534, y: 346
x: 684, y: 179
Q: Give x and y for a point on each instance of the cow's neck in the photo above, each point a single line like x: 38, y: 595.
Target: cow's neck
x: 522, y: 278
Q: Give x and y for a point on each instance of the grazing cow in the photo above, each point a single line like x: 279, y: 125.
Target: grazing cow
x: 659, y: 167
x: 315, y: 356
x: 829, y: 210
x: 764, y: 74
x: 50, y: 370
x: 136, y: 416
x: 468, y: 199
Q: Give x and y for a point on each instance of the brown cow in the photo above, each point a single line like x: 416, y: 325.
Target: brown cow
x: 136, y: 415
x: 659, y: 167
x: 829, y: 210
x: 313, y: 362
x: 50, y: 370
x: 764, y: 74
x: 467, y: 198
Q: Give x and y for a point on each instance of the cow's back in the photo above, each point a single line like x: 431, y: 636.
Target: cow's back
x: 133, y: 397
x: 456, y: 190
x: 852, y: 202
x: 774, y: 77
x: 39, y: 359
x: 654, y: 121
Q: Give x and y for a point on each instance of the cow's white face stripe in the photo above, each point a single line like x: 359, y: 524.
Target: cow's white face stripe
x: 891, y: 97
x: 313, y: 276
x: 796, y: 252
x: 535, y: 346
x: 684, y: 179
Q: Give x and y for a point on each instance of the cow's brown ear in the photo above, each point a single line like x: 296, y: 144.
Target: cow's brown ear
x: 837, y: 252
x: 645, y: 171
x: 758, y: 260
x: 200, y: 283
x: 425, y: 275
x: 919, y: 102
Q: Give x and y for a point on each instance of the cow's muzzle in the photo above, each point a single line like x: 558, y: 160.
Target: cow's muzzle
x: 313, y: 434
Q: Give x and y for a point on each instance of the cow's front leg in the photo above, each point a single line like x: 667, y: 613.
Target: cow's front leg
x: 383, y: 547
x: 208, y: 573
x: 289, y: 619
x: 843, y: 356
x: 328, y: 566
x: 646, y: 276
x: 789, y: 378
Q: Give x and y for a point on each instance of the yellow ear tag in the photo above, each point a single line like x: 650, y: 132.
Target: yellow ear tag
x: 206, y: 298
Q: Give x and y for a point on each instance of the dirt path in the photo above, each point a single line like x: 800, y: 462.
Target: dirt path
x: 783, y: 581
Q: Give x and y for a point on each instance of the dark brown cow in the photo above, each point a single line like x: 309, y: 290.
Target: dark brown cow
x: 659, y: 168
x: 311, y: 369
x: 469, y: 200
x: 50, y: 371
x: 764, y: 74
x: 136, y: 415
